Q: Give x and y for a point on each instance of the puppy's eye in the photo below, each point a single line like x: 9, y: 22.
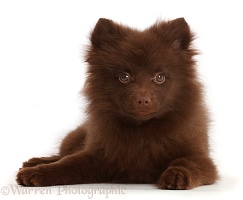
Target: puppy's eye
x: 159, y: 78
x: 124, y: 77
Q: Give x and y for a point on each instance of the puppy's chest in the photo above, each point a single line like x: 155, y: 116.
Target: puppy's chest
x: 138, y: 152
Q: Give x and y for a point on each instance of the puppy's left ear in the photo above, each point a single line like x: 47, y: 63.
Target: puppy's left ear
x: 177, y: 33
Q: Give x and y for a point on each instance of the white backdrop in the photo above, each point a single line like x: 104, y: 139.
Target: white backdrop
x: 42, y: 71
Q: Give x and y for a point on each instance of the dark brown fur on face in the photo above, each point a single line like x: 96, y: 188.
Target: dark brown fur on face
x: 147, y: 122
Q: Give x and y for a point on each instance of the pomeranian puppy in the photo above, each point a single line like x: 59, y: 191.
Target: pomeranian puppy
x: 146, y: 118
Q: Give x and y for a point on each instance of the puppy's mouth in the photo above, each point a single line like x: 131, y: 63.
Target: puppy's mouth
x: 142, y: 115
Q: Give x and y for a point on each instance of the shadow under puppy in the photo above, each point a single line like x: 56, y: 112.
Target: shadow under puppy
x: 146, y: 119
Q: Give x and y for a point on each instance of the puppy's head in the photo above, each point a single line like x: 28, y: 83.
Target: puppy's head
x: 140, y: 74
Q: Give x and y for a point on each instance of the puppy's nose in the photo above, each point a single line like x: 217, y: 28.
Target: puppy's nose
x: 143, y: 101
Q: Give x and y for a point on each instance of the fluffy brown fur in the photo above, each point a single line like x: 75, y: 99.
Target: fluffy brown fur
x: 147, y: 122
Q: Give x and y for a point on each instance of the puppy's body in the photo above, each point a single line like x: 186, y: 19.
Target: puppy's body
x: 146, y: 118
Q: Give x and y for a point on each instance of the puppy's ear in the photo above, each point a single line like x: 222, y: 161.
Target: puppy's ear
x: 177, y: 33
x: 105, y: 32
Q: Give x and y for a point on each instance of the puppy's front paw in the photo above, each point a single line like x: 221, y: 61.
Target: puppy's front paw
x: 176, y: 178
x: 37, y: 176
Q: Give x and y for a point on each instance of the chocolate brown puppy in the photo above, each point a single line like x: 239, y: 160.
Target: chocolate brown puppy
x: 146, y: 118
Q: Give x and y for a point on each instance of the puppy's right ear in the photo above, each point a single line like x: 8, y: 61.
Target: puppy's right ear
x: 105, y: 32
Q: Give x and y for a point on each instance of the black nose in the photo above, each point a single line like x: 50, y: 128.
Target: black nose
x: 143, y: 101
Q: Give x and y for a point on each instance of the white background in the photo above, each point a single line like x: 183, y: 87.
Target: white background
x: 42, y: 71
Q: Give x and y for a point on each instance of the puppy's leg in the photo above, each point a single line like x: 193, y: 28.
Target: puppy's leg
x: 42, y: 160
x: 187, y: 173
x: 73, y: 169
x: 73, y: 142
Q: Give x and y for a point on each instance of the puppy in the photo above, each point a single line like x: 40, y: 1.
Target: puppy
x: 146, y: 118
